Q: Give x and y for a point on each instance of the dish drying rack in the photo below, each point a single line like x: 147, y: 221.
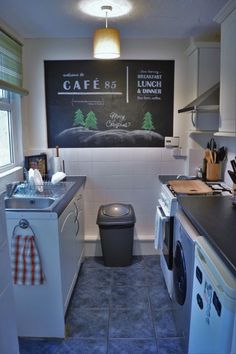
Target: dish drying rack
x: 46, y: 189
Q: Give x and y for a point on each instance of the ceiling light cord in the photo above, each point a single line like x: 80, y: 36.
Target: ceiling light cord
x: 106, y: 20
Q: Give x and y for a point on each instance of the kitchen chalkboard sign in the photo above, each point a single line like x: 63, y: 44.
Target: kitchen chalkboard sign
x: 115, y: 103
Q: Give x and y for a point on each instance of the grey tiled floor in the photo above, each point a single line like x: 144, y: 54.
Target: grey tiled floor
x: 114, y: 311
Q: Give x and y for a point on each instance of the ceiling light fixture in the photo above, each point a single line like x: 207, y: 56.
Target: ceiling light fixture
x: 106, y: 41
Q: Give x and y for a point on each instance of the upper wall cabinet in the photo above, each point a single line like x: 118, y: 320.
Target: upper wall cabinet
x: 227, y: 18
x: 203, y: 76
x: 203, y: 67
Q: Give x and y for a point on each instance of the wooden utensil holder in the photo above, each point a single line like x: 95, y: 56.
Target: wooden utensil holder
x: 213, y: 172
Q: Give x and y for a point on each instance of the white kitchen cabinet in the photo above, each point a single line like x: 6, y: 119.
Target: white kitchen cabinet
x: 203, y: 68
x: 40, y: 309
x: 203, y: 72
x: 79, y: 203
x: 8, y: 332
x: 71, y: 245
x: 227, y: 18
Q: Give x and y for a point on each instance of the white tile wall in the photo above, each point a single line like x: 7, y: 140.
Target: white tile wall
x: 15, y: 175
x: 128, y: 175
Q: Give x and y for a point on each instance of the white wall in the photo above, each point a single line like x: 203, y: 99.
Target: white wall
x: 113, y: 174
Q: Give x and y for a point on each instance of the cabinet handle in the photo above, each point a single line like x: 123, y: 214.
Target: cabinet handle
x: 76, y: 212
x: 77, y: 231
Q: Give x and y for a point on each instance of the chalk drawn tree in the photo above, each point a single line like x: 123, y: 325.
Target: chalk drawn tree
x: 79, y: 118
x: 91, y: 121
x: 147, y: 122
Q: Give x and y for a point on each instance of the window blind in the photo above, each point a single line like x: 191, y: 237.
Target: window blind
x: 11, y: 64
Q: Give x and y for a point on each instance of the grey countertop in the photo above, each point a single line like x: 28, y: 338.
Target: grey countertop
x: 79, y: 181
x: 214, y: 217
x: 71, y: 188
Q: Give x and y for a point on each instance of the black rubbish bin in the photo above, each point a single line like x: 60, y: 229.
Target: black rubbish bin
x: 116, y: 224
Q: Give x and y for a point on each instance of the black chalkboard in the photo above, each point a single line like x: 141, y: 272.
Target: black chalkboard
x: 115, y: 103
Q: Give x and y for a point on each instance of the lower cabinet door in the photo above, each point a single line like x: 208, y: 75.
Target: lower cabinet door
x: 67, y: 223
x: 8, y: 331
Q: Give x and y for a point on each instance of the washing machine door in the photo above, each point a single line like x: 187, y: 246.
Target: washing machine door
x: 179, y: 274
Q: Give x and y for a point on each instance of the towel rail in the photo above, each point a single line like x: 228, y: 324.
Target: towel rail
x: 23, y: 224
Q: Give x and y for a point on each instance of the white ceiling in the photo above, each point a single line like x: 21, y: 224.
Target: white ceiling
x: 147, y: 19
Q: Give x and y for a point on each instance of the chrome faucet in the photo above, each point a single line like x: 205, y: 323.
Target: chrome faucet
x: 10, y: 188
x: 26, y: 175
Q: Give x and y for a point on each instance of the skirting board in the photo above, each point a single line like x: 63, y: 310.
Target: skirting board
x: 140, y: 247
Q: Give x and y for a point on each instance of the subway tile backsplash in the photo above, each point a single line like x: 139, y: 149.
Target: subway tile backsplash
x: 128, y: 175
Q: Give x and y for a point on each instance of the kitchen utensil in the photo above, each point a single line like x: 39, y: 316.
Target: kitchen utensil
x: 214, y: 153
x: 233, y: 164
x: 212, y: 144
x: 208, y: 156
x: 232, y: 176
x: 221, y: 154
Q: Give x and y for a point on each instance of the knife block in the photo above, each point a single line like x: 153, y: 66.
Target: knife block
x: 213, y: 172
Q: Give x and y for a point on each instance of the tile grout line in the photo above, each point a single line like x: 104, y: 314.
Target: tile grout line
x: 151, y: 313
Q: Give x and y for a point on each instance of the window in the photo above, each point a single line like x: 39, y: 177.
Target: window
x: 11, y: 90
x: 6, y: 156
x: 10, y: 130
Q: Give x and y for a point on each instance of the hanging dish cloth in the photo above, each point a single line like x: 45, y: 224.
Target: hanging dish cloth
x: 25, y: 260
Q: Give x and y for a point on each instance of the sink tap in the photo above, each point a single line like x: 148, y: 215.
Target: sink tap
x: 181, y: 177
x: 10, y: 188
x: 26, y: 175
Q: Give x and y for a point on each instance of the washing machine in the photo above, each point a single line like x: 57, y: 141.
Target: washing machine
x: 212, y: 329
x: 185, y: 236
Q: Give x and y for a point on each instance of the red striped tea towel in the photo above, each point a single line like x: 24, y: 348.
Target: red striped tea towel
x: 25, y: 261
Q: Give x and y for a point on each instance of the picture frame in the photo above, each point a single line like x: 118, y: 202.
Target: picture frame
x: 37, y: 162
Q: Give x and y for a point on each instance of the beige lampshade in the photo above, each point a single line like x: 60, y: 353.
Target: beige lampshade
x: 106, y: 43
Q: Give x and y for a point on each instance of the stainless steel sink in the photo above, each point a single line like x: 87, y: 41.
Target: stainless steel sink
x: 28, y: 203
x: 28, y: 199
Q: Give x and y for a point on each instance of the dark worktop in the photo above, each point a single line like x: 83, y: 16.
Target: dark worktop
x: 214, y: 217
x: 165, y: 178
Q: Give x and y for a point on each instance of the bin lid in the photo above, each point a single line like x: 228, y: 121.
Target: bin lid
x: 116, y: 210
x: 116, y: 214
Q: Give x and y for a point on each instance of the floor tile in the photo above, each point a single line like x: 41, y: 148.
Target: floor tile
x: 164, y: 323
x: 159, y: 298
x: 132, y: 346
x: 116, y: 310
x: 154, y: 277
x: 83, y: 346
x: 33, y: 346
x: 95, y: 262
x: 152, y: 261
x: 131, y: 323
x: 127, y: 297
x: 95, y: 277
x: 129, y: 276
x: 91, y: 297
x: 170, y: 346
x: 87, y: 323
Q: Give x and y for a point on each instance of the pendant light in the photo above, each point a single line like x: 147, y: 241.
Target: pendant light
x: 106, y: 41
